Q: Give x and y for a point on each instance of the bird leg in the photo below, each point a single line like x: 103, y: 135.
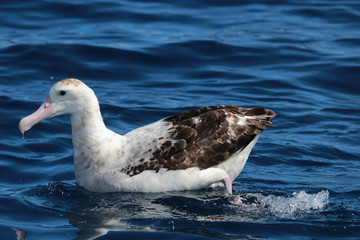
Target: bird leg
x: 233, y: 199
x: 228, y: 185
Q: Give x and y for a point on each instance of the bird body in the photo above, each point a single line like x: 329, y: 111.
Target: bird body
x: 191, y: 150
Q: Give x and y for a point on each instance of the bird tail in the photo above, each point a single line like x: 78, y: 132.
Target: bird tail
x: 260, y: 118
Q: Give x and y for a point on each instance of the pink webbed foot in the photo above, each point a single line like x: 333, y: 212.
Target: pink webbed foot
x: 236, y: 200
x: 233, y: 199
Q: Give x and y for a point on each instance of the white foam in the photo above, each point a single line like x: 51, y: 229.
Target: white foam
x: 280, y: 206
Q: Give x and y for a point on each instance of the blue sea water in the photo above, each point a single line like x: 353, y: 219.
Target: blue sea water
x: 150, y: 59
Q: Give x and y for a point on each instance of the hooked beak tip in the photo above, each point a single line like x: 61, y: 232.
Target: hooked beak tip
x: 45, y: 111
x: 23, y: 126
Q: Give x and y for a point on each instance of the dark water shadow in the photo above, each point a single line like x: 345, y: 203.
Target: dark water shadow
x: 202, y: 213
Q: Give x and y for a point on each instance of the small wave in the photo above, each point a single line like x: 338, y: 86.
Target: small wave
x: 296, y: 205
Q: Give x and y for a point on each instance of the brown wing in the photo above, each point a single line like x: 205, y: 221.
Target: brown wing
x: 206, y: 137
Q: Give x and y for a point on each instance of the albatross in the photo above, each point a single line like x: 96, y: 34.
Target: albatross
x: 195, y: 149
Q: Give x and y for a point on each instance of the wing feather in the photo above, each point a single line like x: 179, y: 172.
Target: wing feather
x: 203, y: 137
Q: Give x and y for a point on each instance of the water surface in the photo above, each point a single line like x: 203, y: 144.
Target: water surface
x: 150, y: 59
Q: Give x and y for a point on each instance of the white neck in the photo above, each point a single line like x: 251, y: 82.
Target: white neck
x: 92, y: 141
x: 87, y: 123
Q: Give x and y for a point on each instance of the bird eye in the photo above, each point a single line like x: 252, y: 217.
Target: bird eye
x: 62, y: 93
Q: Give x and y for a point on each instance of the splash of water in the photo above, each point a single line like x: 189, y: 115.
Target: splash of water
x: 298, y: 204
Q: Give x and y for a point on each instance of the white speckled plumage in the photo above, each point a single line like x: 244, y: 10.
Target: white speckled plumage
x: 156, y: 157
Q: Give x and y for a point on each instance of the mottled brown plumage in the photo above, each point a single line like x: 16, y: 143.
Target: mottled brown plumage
x: 204, y: 137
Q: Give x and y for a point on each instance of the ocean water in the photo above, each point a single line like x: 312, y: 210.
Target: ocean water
x: 146, y: 60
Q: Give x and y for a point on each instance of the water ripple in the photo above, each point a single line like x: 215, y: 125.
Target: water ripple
x: 146, y: 60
